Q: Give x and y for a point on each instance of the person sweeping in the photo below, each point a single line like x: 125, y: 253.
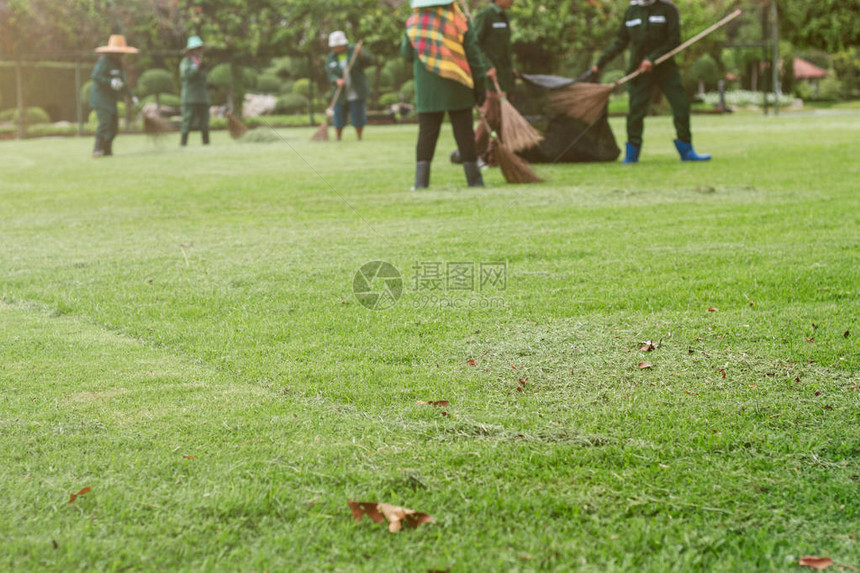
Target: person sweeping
x: 449, y: 77
x: 195, y: 91
x: 109, y: 87
x: 353, y: 85
x: 652, y: 28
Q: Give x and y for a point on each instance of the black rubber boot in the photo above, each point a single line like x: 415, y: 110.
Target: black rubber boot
x: 108, y: 148
x: 422, y: 175
x: 184, y: 141
x: 473, y: 174
x: 205, y: 138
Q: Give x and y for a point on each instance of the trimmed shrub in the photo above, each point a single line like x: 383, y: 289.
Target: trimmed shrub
x: 389, y: 98
x: 408, y: 91
x: 268, y: 84
x: 302, y: 87
x: 32, y: 116
x: 291, y: 103
x: 155, y: 82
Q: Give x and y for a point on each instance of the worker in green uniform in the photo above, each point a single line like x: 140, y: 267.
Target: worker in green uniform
x: 652, y: 28
x: 195, y: 91
x: 353, y: 87
x: 449, y: 80
x: 493, y: 30
x: 109, y: 87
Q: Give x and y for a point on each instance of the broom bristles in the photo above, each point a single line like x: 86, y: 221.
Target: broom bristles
x: 515, y: 169
x: 517, y: 133
x: 236, y: 127
x: 155, y: 126
x: 321, y: 133
x: 585, y: 102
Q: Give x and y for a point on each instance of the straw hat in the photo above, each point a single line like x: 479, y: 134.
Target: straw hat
x: 117, y: 45
x: 429, y: 3
x: 194, y: 42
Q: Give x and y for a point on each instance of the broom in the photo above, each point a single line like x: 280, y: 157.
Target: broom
x: 586, y: 102
x: 515, y: 169
x: 517, y: 133
x: 236, y: 127
x: 322, y: 131
x: 154, y: 126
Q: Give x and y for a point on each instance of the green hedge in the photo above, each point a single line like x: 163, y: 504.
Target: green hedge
x: 33, y: 116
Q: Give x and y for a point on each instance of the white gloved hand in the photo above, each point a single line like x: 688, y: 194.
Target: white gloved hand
x: 116, y: 84
x: 134, y: 100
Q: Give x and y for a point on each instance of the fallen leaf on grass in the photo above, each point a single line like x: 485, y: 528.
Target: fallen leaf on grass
x: 55, y: 544
x: 188, y: 457
x: 819, y: 563
x: 647, y: 346
x: 722, y: 371
x: 809, y: 340
x: 713, y: 309
x: 395, y: 515
x: 643, y: 365
x: 75, y: 495
x: 752, y: 303
x: 436, y: 403
x: 471, y: 362
x: 814, y: 326
x: 847, y: 334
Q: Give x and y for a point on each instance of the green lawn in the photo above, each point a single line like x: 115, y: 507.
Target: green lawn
x: 178, y: 332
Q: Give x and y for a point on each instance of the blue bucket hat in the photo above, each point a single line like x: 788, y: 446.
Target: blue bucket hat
x: 194, y: 42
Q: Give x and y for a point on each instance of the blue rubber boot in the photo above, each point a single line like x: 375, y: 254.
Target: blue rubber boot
x: 632, y: 155
x: 685, y: 150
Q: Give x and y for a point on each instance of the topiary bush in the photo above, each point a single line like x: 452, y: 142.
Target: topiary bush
x: 389, y: 98
x: 302, y: 87
x: 268, y: 84
x: 32, y: 116
x: 155, y: 82
x: 407, y: 90
x: 291, y: 103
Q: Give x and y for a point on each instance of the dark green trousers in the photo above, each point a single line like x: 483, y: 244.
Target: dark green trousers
x: 668, y: 78
x: 195, y: 115
x: 108, y: 125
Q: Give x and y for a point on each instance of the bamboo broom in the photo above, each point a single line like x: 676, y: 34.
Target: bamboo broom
x: 514, y: 168
x: 586, y: 102
x: 322, y: 131
x: 237, y: 128
x: 154, y: 126
x: 517, y: 133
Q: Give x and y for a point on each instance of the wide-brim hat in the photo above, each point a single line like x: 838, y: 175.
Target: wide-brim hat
x: 337, y: 38
x: 194, y: 42
x: 117, y: 45
x: 428, y: 3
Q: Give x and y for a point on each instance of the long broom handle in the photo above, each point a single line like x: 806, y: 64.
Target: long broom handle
x: 346, y: 73
x: 684, y: 46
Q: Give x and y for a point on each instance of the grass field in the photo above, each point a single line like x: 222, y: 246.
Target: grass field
x: 179, y: 333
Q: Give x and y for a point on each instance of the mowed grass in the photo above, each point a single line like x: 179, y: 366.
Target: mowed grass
x: 178, y: 332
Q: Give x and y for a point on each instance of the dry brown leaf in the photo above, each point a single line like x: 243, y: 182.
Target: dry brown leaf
x: 395, y: 515
x: 846, y: 334
x: 471, y: 362
x: 643, y: 365
x: 187, y: 457
x: 722, y: 371
x: 819, y: 563
x: 713, y: 309
x: 75, y: 495
x: 436, y: 403
x: 752, y: 303
x: 809, y: 340
x: 814, y: 326
x: 647, y: 346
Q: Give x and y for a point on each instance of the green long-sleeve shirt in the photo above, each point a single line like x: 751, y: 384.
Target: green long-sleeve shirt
x: 104, y: 93
x: 357, y: 77
x: 195, y: 85
x: 651, y: 31
x: 434, y: 93
x: 493, y: 30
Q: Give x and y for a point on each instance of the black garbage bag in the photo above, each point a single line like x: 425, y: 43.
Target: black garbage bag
x: 566, y: 140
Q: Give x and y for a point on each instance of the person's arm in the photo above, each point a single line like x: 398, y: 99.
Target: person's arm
x: 622, y: 38
x: 190, y: 69
x: 100, y: 73
x: 480, y: 28
x: 406, y: 49
x: 476, y: 64
x: 365, y: 58
x: 332, y: 69
x: 673, y: 35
